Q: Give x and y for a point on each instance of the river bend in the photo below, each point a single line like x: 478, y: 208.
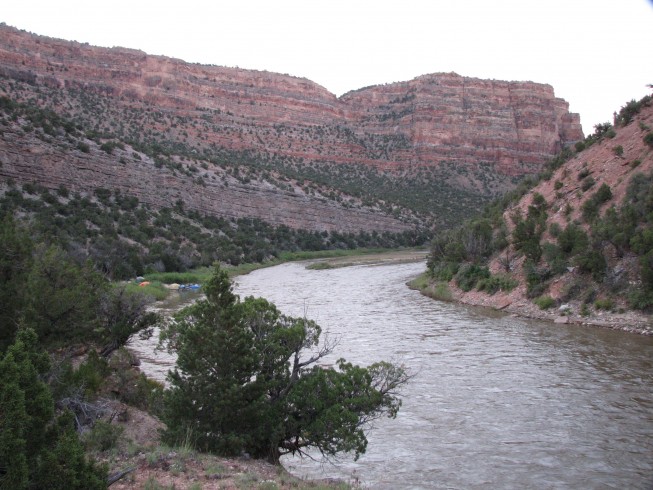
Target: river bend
x: 497, y: 401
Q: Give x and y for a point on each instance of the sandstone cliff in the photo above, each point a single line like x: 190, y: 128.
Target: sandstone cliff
x: 463, y: 132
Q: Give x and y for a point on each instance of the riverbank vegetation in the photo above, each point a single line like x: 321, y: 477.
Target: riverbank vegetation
x: 590, y: 233
x: 125, y: 238
x: 69, y: 383
x: 248, y: 379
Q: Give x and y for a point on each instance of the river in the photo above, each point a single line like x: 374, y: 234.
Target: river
x: 496, y: 401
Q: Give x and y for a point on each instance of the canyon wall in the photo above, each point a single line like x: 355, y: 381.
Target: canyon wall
x: 398, y: 129
x: 439, y: 117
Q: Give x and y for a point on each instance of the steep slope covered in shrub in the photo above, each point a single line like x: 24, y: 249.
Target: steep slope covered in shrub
x: 576, y: 244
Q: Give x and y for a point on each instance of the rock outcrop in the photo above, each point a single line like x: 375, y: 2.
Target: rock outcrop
x: 399, y: 129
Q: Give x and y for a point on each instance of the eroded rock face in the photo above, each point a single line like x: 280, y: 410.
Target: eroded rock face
x: 27, y: 158
x: 437, y: 117
x: 400, y: 127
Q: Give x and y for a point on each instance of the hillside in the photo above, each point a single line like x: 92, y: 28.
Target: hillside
x: 227, y: 141
x: 575, y: 245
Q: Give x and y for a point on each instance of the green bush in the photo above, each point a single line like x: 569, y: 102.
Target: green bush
x: 592, y: 262
x: 572, y: 240
x: 640, y: 299
x: 555, y: 258
x: 469, y: 275
x: 604, y: 304
x: 590, y: 210
x: 618, y: 150
x: 497, y: 282
x: 544, y: 302
x: 444, y: 271
x: 536, y: 279
x: 103, y: 436
x: 648, y: 139
x: 37, y: 448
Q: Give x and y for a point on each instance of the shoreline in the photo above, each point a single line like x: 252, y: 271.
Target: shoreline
x: 515, y: 303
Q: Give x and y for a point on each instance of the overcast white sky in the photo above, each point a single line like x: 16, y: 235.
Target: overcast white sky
x: 597, y: 54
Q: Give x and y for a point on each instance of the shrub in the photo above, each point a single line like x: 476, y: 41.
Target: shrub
x: 469, y: 275
x: 558, y: 185
x: 554, y: 229
x: 444, y: 271
x: 590, y: 210
x: 496, y: 283
x: 572, y: 240
x: 37, y: 448
x: 555, y: 258
x: 588, y: 183
x: 648, y: 138
x: 604, y: 194
x: 544, y: 302
x: 618, y: 150
x: 592, y: 262
x: 640, y: 299
x: 103, y: 436
x: 604, y: 304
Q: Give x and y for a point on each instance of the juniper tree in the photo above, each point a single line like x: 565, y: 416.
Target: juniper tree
x: 248, y: 380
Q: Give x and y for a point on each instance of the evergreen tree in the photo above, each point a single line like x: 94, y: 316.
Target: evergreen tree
x: 36, y: 450
x: 247, y: 381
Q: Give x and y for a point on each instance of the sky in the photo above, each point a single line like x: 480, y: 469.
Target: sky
x: 597, y: 54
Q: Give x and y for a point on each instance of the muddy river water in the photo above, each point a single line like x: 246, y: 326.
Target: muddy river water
x: 496, y: 401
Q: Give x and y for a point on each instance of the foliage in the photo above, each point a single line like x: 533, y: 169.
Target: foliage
x: 632, y: 108
x: 555, y: 258
x: 536, y: 279
x: 123, y: 314
x: 471, y: 243
x: 593, y: 262
x: 37, y: 450
x: 572, y: 240
x: 15, y: 261
x: 469, y: 275
x: 604, y: 304
x: 125, y: 238
x: 588, y: 183
x: 103, y: 436
x: 648, y: 138
x: 61, y: 297
x: 591, y: 206
x: 544, y: 302
x: 246, y: 380
x: 497, y: 282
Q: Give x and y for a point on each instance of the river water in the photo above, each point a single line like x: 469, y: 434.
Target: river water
x: 496, y: 401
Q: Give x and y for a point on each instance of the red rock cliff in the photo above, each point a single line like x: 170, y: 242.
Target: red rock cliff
x: 428, y: 120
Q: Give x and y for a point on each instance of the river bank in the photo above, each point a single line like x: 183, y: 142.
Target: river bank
x: 516, y: 303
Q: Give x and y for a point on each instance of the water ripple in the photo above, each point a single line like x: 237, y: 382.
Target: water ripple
x: 497, y: 401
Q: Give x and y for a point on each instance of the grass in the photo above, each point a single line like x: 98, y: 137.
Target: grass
x: 157, y: 280
x: 156, y: 289
x: 319, y: 266
x: 191, y: 277
x: 433, y: 289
